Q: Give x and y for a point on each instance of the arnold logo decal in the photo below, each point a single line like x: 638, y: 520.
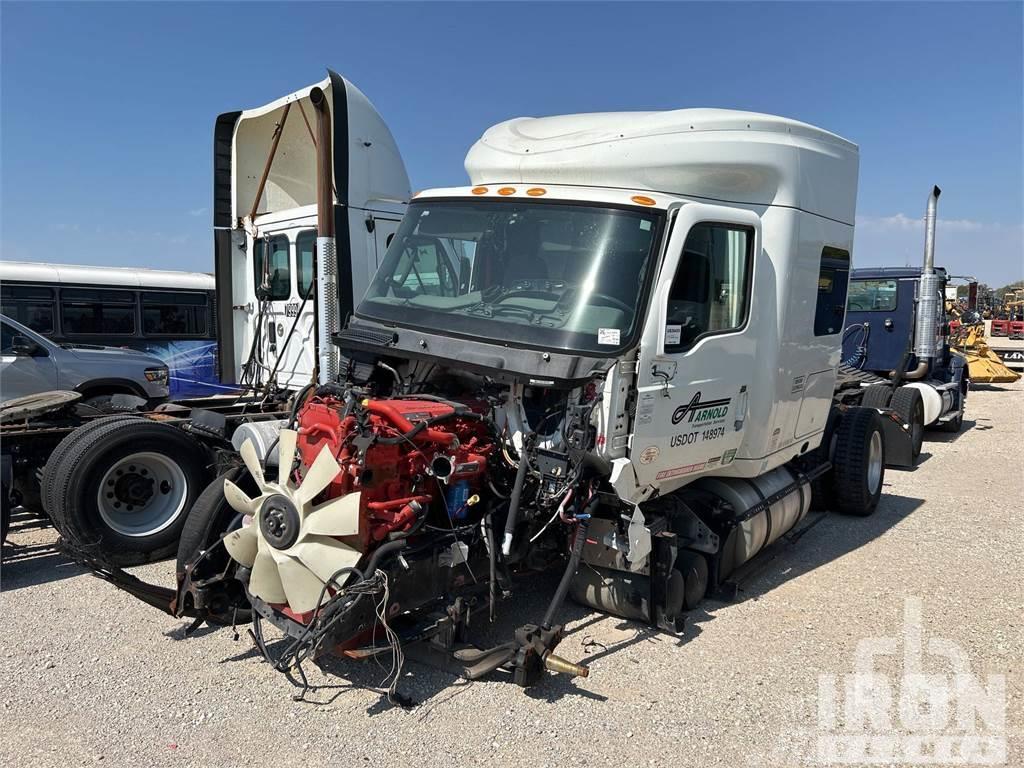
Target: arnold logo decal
x: 701, y: 412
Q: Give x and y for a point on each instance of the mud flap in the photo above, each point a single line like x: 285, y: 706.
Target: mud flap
x: 899, y: 448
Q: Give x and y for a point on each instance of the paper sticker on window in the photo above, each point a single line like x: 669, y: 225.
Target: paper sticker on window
x: 645, y: 225
x: 608, y: 336
x: 673, y: 334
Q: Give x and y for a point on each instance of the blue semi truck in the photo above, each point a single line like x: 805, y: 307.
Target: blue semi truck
x: 896, y: 342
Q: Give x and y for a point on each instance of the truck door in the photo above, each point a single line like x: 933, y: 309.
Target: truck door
x: 300, y: 355
x: 280, y: 281
x: 697, y: 364
x: 383, y: 232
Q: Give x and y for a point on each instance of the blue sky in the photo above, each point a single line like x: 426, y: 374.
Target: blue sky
x: 108, y: 109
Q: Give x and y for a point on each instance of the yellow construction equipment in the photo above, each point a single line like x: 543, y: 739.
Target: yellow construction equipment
x: 968, y: 339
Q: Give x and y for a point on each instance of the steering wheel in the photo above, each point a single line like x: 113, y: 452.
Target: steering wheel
x: 856, y: 307
x: 617, y: 303
x: 498, y: 310
x: 529, y: 294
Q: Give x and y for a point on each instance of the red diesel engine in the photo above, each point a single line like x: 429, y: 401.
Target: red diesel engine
x: 407, y: 457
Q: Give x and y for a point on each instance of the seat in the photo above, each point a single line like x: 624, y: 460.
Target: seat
x: 688, y: 304
x: 522, y: 254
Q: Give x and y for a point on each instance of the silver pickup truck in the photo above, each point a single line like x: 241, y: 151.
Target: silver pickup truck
x: 31, y: 363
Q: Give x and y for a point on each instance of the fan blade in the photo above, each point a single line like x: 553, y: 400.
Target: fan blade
x: 337, y: 517
x: 324, y: 469
x: 242, y: 544
x: 265, y: 582
x: 285, y: 454
x: 301, y: 585
x: 238, y: 500
x: 252, y: 463
x: 325, y: 556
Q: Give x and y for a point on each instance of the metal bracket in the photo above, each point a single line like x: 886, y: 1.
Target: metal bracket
x: 639, y: 540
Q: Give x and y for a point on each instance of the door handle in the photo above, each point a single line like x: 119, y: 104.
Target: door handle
x: 666, y: 371
x: 741, y: 409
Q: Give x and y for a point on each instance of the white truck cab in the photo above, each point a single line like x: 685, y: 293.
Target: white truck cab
x: 657, y: 302
x: 265, y: 218
x: 720, y: 295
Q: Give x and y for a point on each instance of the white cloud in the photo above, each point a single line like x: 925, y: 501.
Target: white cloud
x: 197, y: 211
x: 900, y: 222
x: 990, y: 251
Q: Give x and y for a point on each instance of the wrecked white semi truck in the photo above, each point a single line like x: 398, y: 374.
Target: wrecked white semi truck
x: 618, y: 346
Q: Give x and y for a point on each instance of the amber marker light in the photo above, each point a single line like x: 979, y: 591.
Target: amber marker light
x: 479, y: 190
x: 507, y: 191
x: 643, y: 200
x: 536, y: 191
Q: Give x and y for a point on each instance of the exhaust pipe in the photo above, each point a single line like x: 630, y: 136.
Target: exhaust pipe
x: 927, y: 340
x: 327, y: 310
x: 929, y: 231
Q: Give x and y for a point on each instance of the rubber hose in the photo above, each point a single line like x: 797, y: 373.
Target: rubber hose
x: 492, y: 565
x: 380, y: 553
x: 570, y: 568
x: 297, y: 402
x: 513, y: 507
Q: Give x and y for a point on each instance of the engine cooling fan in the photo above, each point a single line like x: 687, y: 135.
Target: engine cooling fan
x: 289, y: 544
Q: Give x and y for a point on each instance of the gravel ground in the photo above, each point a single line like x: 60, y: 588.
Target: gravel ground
x: 90, y: 674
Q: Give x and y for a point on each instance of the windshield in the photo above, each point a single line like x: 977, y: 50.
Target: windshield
x: 871, y: 296
x: 569, y: 277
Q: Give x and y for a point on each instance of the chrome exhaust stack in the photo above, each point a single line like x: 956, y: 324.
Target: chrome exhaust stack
x: 327, y: 308
x: 927, y: 331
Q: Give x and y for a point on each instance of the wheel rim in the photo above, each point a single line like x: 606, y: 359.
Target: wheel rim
x: 875, y: 462
x: 142, y: 494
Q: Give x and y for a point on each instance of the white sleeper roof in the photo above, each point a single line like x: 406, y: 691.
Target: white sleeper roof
x: 718, y: 154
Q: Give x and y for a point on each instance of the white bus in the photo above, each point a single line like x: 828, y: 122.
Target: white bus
x: 169, y: 314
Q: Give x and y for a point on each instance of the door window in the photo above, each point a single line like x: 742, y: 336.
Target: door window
x: 7, y: 334
x: 833, y: 279
x: 872, y: 296
x: 710, y: 291
x: 305, y: 247
x: 272, y: 275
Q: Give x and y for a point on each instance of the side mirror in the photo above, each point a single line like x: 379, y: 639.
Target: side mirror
x: 25, y: 347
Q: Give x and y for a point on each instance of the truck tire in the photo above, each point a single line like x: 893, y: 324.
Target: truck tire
x: 694, y: 569
x: 876, y: 396
x: 122, y: 490
x: 5, y: 513
x: 823, y: 487
x: 859, y: 464
x: 47, y: 486
x: 908, y: 403
x: 209, y: 519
